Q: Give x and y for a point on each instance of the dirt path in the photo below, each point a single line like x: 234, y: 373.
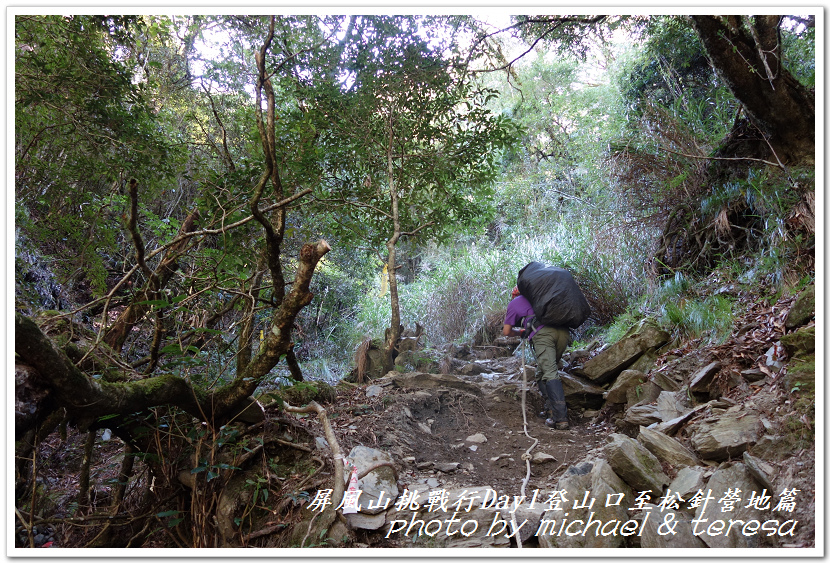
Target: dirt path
x: 465, y: 431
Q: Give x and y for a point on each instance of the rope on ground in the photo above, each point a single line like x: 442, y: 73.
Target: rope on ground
x: 526, y: 456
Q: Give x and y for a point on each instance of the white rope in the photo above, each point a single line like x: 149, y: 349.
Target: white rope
x: 526, y: 456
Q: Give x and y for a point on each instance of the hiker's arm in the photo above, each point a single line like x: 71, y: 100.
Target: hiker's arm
x: 510, y: 330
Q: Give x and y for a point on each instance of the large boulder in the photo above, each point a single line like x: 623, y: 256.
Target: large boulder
x: 421, y: 525
x: 644, y: 394
x: 600, y: 482
x: 635, y: 464
x: 682, y: 536
x: 609, y: 363
x: 416, y: 360
x: 668, y: 406
x: 803, y: 309
x: 642, y: 415
x: 726, y: 435
x: 581, y: 393
x: 688, y: 481
x: 666, y: 449
x: 626, y: 380
x: 734, y: 479
x: 702, y: 379
x: 378, y: 485
x: 801, y: 342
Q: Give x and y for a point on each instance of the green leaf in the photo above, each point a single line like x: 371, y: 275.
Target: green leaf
x: 167, y: 513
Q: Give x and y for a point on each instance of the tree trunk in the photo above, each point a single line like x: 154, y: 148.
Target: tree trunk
x: 746, y: 52
x: 394, y: 332
x: 135, y: 312
x: 86, y: 399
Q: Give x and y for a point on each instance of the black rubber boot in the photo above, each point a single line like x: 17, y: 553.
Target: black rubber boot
x: 556, y: 402
x: 545, y: 413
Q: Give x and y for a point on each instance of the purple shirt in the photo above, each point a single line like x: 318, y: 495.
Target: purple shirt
x: 518, y: 308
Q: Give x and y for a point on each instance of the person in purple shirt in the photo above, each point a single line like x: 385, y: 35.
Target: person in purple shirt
x: 548, y: 344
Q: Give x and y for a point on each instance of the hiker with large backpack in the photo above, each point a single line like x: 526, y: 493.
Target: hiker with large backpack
x: 546, y: 303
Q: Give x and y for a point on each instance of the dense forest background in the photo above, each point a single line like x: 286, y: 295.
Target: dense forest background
x: 209, y: 207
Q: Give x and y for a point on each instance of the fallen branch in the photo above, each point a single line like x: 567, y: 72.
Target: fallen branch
x: 698, y: 157
x: 339, y: 480
x: 378, y: 465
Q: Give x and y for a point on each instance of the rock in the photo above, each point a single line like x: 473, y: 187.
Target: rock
x: 374, y: 391
x: 753, y: 374
x: 803, y: 308
x: 771, y: 448
x: 379, y: 483
x: 338, y: 534
x: 667, y: 406
x: 665, y: 381
x: 580, y: 392
x: 728, y: 435
x: 472, y: 368
x: 424, y: 428
x: 458, y: 500
x: 542, y: 457
x: 729, y: 478
x: 418, y: 380
x: 446, y: 467
x: 702, y: 378
x: 606, y: 365
x: 642, y: 394
x: 477, y: 438
x: 800, y: 342
x: 366, y: 521
x: 415, y: 360
x: 634, y: 464
x: 461, y: 352
x: 760, y: 470
x: 645, y: 362
x: 627, y: 379
x: 655, y: 537
x: 673, y: 375
x: 589, y: 480
x: 533, y: 516
x: 251, y: 412
x: 688, y: 481
x: 642, y: 415
x: 671, y: 427
x: 666, y: 449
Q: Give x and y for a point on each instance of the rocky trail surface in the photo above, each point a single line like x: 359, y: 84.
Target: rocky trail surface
x: 692, y: 447
x: 654, y: 432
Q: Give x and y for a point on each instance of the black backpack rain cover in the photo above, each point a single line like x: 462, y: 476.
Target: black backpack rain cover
x: 554, y: 295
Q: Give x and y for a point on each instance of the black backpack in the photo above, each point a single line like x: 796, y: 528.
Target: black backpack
x: 554, y: 295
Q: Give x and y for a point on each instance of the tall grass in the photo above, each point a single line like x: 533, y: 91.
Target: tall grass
x: 458, y: 287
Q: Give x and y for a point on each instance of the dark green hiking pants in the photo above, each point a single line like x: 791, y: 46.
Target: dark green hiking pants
x: 549, y: 344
